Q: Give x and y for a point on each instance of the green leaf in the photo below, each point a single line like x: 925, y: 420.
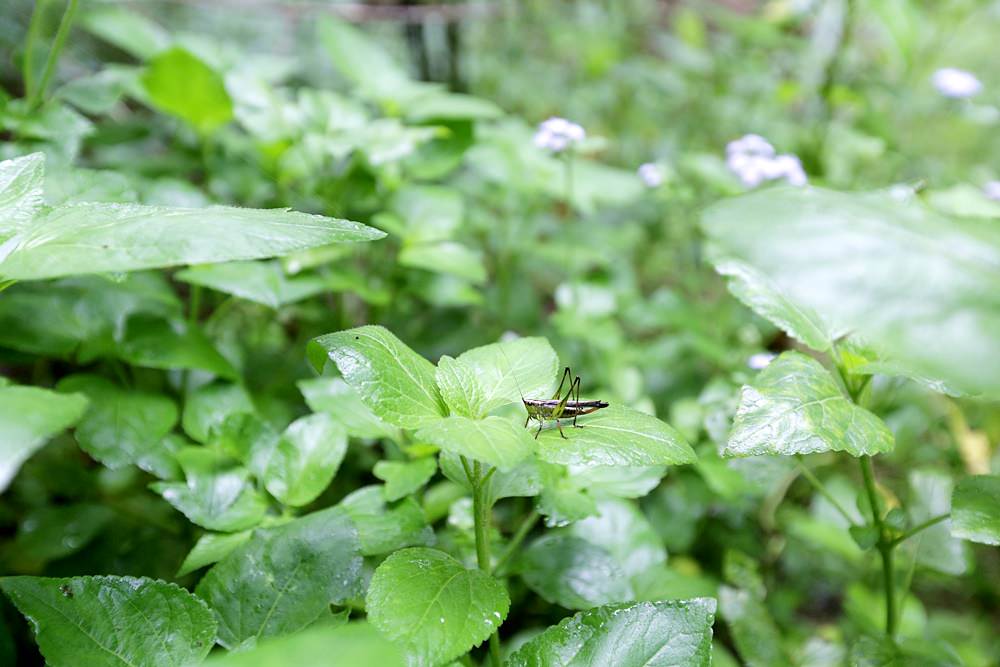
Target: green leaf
x: 498, y: 441
x: 934, y: 547
x: 624, y: 532
x: 208, y: 407
x: 616, y: 436
x: 217, y: 493
x: 335, y: 397
x: 153, y: 342
x: 181, y: 84
x: 404, y: 477
x: 305, y: 459
x: 794, y: 406
x: 922, y: 289
x: 113, y: 621
x: 51, y: 532
x: 128, y: 30
x: 94, y: 237
x: 573, y: 573
x: 261, y: 282
x: 211, y: 548
x: 283, y: 578
x: 395, y: 382
x: 756, y: 636
x: 351, y: 644
x: 430, y: 214
x: 451, y: 106
x: 383, y: 529
x: 975, y: 509
x: 505, y: 370
x: 29, y: 416
x: 21, y: 192
x: 647, y: 634
x: 433, y: 605
x: 459, y: 387
x: 445, y: 257
x: 124, y: 426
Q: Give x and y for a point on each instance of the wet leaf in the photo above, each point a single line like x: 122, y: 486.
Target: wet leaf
x: 500, y: 442
x: 404, y: 477
x: 573, y: 573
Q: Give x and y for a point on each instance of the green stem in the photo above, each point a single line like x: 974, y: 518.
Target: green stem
x: 481, y: 519
x: 4, y: 284
x: 515, y: 541
x: 36, y: 93
x: 920, y: 528
x: 885, y: 547
x: 569, y: 182
x: 823, y: 491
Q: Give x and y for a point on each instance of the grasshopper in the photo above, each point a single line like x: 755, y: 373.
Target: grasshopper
x: 557, y: 408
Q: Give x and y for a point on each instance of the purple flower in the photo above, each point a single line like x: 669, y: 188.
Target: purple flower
x: 752, y: 158
x: 651, y: 174
x: 557, y: 134
x: 956, y: 83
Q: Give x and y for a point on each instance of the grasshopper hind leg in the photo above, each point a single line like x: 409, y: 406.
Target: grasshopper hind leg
x: 559, y: 424
x: 575, y: 385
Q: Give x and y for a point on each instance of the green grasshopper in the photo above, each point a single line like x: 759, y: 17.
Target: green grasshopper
x: 557, y: 408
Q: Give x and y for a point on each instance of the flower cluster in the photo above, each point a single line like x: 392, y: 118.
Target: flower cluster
x: 557, y: 134
x: 957, y: 83
x: 992, y: 190
x: 752, y: 158
x: 651, y: 174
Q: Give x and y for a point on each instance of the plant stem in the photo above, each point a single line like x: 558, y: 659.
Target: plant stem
x: 4, y: 284
x: 823, y: 491
x: 920, y: 528
x: 36, y: 93
x: 885, y: 547
x: 481, y: 520
x: 515, y: 541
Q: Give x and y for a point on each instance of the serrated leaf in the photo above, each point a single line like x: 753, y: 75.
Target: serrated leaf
x: 261, y: 282
x: 433, y: 605
x: 124, y: 426
x: 211, y: 548
x: 395, y: 382
x: 500, y: 442
x: 283, y: 578
x: 356, y: 643
x: 103, y: 238
x: 794, y: 406
x: 404, y: 477
x: 304, y: 459
x: 921, y: 288
x: 459, y: 387
x: 616, y: 436
x: 505, y: 370
x: 382, y: 528
x: 648, y: 634
x: 573, y: 573
x: 29, y: 416
x: 336, y: 398
x: 975, y: 509
x: 21, y: 192
x: 113, y: 621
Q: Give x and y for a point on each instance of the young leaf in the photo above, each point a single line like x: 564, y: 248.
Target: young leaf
x: 616, y: 436
x: 284, y: 578
x: 393, y: 380
x: 211, y: 548
x: 305, y: 459
x: 383, y: 529
x: 573, y: 573
x: 352, y: 644
x: 647, y: 634
x: 500, y: 442
x: 431, y: 604
x: 181, y: 84
x: 975, y: 509
x: 794, y: 406
x: 21, y: 192
x: 460, y: 388
x: 504, y: 370
x: 103, y: 238
x: 261, y: 282
x: 124, y: 427
x: 404, y: 477
x: 335, y: 397
x: 113, y: 621
x: 29, y: 416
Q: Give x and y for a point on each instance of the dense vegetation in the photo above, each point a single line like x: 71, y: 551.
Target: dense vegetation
x: 278, y: 292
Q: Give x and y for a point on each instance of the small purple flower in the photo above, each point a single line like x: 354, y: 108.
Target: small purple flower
x: 956, y: 83
x: 752, y: 158
x: 557, y: 134
x: 651, y: 175
x: 992, y: 190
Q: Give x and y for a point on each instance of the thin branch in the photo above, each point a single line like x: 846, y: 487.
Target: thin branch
x: 921, y: 527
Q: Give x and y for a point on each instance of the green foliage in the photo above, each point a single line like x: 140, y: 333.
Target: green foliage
x: 976, y: 509
x: 181, y: 84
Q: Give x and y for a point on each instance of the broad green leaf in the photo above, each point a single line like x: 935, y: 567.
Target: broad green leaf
x: 445, y: 257
x: 625, y: 533
x: 753, y: 630
x: 97, y: 94
x: 459, y: 387
x: 430, y: 214
x: 616, y: 436
x: 124, y: 426
x: 934, y: 547
x: 211, y: 548
x: 498, y: 441
x: 217, y: 493
x: 431, y: 604
x: 153, y: 342
x: 648, y: 634
x: 356, y: 643
x: 404, y: 477
x: 21, y: 192
x: 507, y: 369
x: 51, y: 532
x: 305, y: 459
x: 113, y: 621
x: 794, y: 406
x: 283, y: 578
x: 922, y: 289
x: 335, y: 397
x: 100, y: 238
x: 393, y: 380
x: 29, y: 416
x: 383, y: 529
x: 181, y: 84
x: 261, y: 282
x: 573, y: 573
x: 208, y: 407
x: 975, y: 509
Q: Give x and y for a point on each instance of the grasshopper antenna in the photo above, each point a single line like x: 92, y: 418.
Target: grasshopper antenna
x: 513, y: 374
